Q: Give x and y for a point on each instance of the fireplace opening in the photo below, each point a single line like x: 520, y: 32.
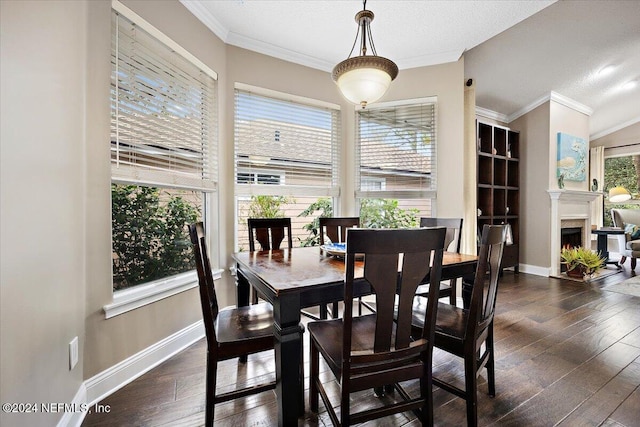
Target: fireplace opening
x: 570, y: 237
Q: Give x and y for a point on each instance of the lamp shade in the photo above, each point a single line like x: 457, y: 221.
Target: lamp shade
x: 364, y: 79
x: 619, y: 194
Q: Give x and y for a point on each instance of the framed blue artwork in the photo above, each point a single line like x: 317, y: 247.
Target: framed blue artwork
x: 572, y: 157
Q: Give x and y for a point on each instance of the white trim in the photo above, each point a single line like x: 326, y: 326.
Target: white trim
x: 492, y: 115
x: 429, y: 59
x: 141, y: 295
x: 284, y: 96
x: 198, y: 9
x: 285, y: 190
x: 146, y: 26
x: 112, y: 379
x: 535, y: 270
x: 75, y: 418
x: 297, y: 58
x: 614, y: 129
x: 552, y: 96
x: 568, y: 102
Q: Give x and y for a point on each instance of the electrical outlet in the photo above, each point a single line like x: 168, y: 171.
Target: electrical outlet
x: 73, y: 353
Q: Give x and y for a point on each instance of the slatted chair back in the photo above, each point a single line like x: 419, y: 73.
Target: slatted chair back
x: 454, y: 229
x: 485, y: 286
x: 208, y: 299
x: 336, y: 228
x: 269, y: 232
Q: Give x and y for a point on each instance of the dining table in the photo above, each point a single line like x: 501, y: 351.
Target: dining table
x: 297, y: 278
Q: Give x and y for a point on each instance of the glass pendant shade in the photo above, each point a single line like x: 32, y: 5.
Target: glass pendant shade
x: 619, y: 194
x: 366, y: 78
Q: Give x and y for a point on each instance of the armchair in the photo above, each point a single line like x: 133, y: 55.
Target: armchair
x: 628, y: 243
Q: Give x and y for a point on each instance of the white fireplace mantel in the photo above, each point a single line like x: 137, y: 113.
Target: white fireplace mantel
x: 569, y: 205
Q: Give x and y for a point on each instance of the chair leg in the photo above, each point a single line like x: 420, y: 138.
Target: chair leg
x: 471, y: 385
x: 210, y: 393
x: 334, y: 310
x: 452, y: 295
x: 426, y: 389
x: 622, y: 259
x: 491, y: 372
x: 254, y: 295
x: 313, y: 375
x: 633, y: 263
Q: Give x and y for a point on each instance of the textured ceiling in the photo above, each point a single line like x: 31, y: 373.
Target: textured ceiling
x: 516, y: 51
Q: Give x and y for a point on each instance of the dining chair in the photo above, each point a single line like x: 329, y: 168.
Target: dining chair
x: 335, y: 229
x: 374, y: 351
x: 462, y: 332
x: 231, y: 332
x: 451, y: 244
x: 269, y: 233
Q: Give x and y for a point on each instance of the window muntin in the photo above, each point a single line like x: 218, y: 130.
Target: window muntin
x: 163, y: 152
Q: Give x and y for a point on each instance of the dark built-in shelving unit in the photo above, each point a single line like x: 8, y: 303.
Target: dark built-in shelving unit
x: 499, y: 184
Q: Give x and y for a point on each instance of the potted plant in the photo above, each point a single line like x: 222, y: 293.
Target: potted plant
x: 581, y: 261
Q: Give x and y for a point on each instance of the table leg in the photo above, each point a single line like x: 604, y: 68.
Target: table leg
x: 603, y: 246
x: 243, y: 289
x: 289, y: 359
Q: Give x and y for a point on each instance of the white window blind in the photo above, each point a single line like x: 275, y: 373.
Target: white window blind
x: 298, y: 139
x: 396, y: 151
x: 163, y: 113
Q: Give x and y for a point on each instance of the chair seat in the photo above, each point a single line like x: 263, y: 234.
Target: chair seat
x: 328, y: 338
x: 245, y: 323
x: 451, y: 322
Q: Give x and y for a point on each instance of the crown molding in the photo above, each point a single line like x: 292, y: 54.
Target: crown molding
x: 552, y: 96
x: 199, y: 10
x: 490, y: 114
x: 258, y: 46
x: 570, y: 103
x: 614, y: 128
x: 428, y: 60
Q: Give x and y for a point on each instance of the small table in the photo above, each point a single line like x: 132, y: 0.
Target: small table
x: 603, y: 233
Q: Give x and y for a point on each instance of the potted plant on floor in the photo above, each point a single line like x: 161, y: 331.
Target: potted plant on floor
x: 581, y: 261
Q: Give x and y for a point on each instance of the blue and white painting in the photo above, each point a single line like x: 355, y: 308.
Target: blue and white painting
x: 572, y: 157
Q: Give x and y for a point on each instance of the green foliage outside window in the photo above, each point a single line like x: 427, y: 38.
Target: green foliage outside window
x: 385, y: 213
x: 150, y: 240
x: 325, y: 207
x: 267, y: 206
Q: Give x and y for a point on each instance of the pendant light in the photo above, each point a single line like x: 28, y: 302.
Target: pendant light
x: 365, y: 78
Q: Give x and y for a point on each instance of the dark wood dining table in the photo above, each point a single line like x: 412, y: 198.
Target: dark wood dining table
x: 292, y: 279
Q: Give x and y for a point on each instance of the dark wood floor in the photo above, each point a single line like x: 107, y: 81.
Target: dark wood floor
x: 567, y: 353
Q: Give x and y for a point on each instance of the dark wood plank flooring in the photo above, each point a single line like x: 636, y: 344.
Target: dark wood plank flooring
x: 567, y: 353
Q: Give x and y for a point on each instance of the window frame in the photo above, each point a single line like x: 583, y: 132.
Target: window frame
x: 133, y: 297
x: 243, y: 191
x: 419, y: 194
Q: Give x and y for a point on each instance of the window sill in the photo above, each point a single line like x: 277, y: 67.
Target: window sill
x: 141, y: 295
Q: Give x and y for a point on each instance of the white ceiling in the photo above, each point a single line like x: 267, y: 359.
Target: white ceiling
x: 517, y: 52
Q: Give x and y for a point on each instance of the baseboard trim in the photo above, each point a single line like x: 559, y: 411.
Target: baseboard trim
x: 75, y: 418
x: 114, y: 378
x: 535, y: 270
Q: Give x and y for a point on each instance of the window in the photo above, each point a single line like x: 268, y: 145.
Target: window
x: 621, y: 170
x: 286, y: 160
x: 396, y: 162
x: 163, y: 153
